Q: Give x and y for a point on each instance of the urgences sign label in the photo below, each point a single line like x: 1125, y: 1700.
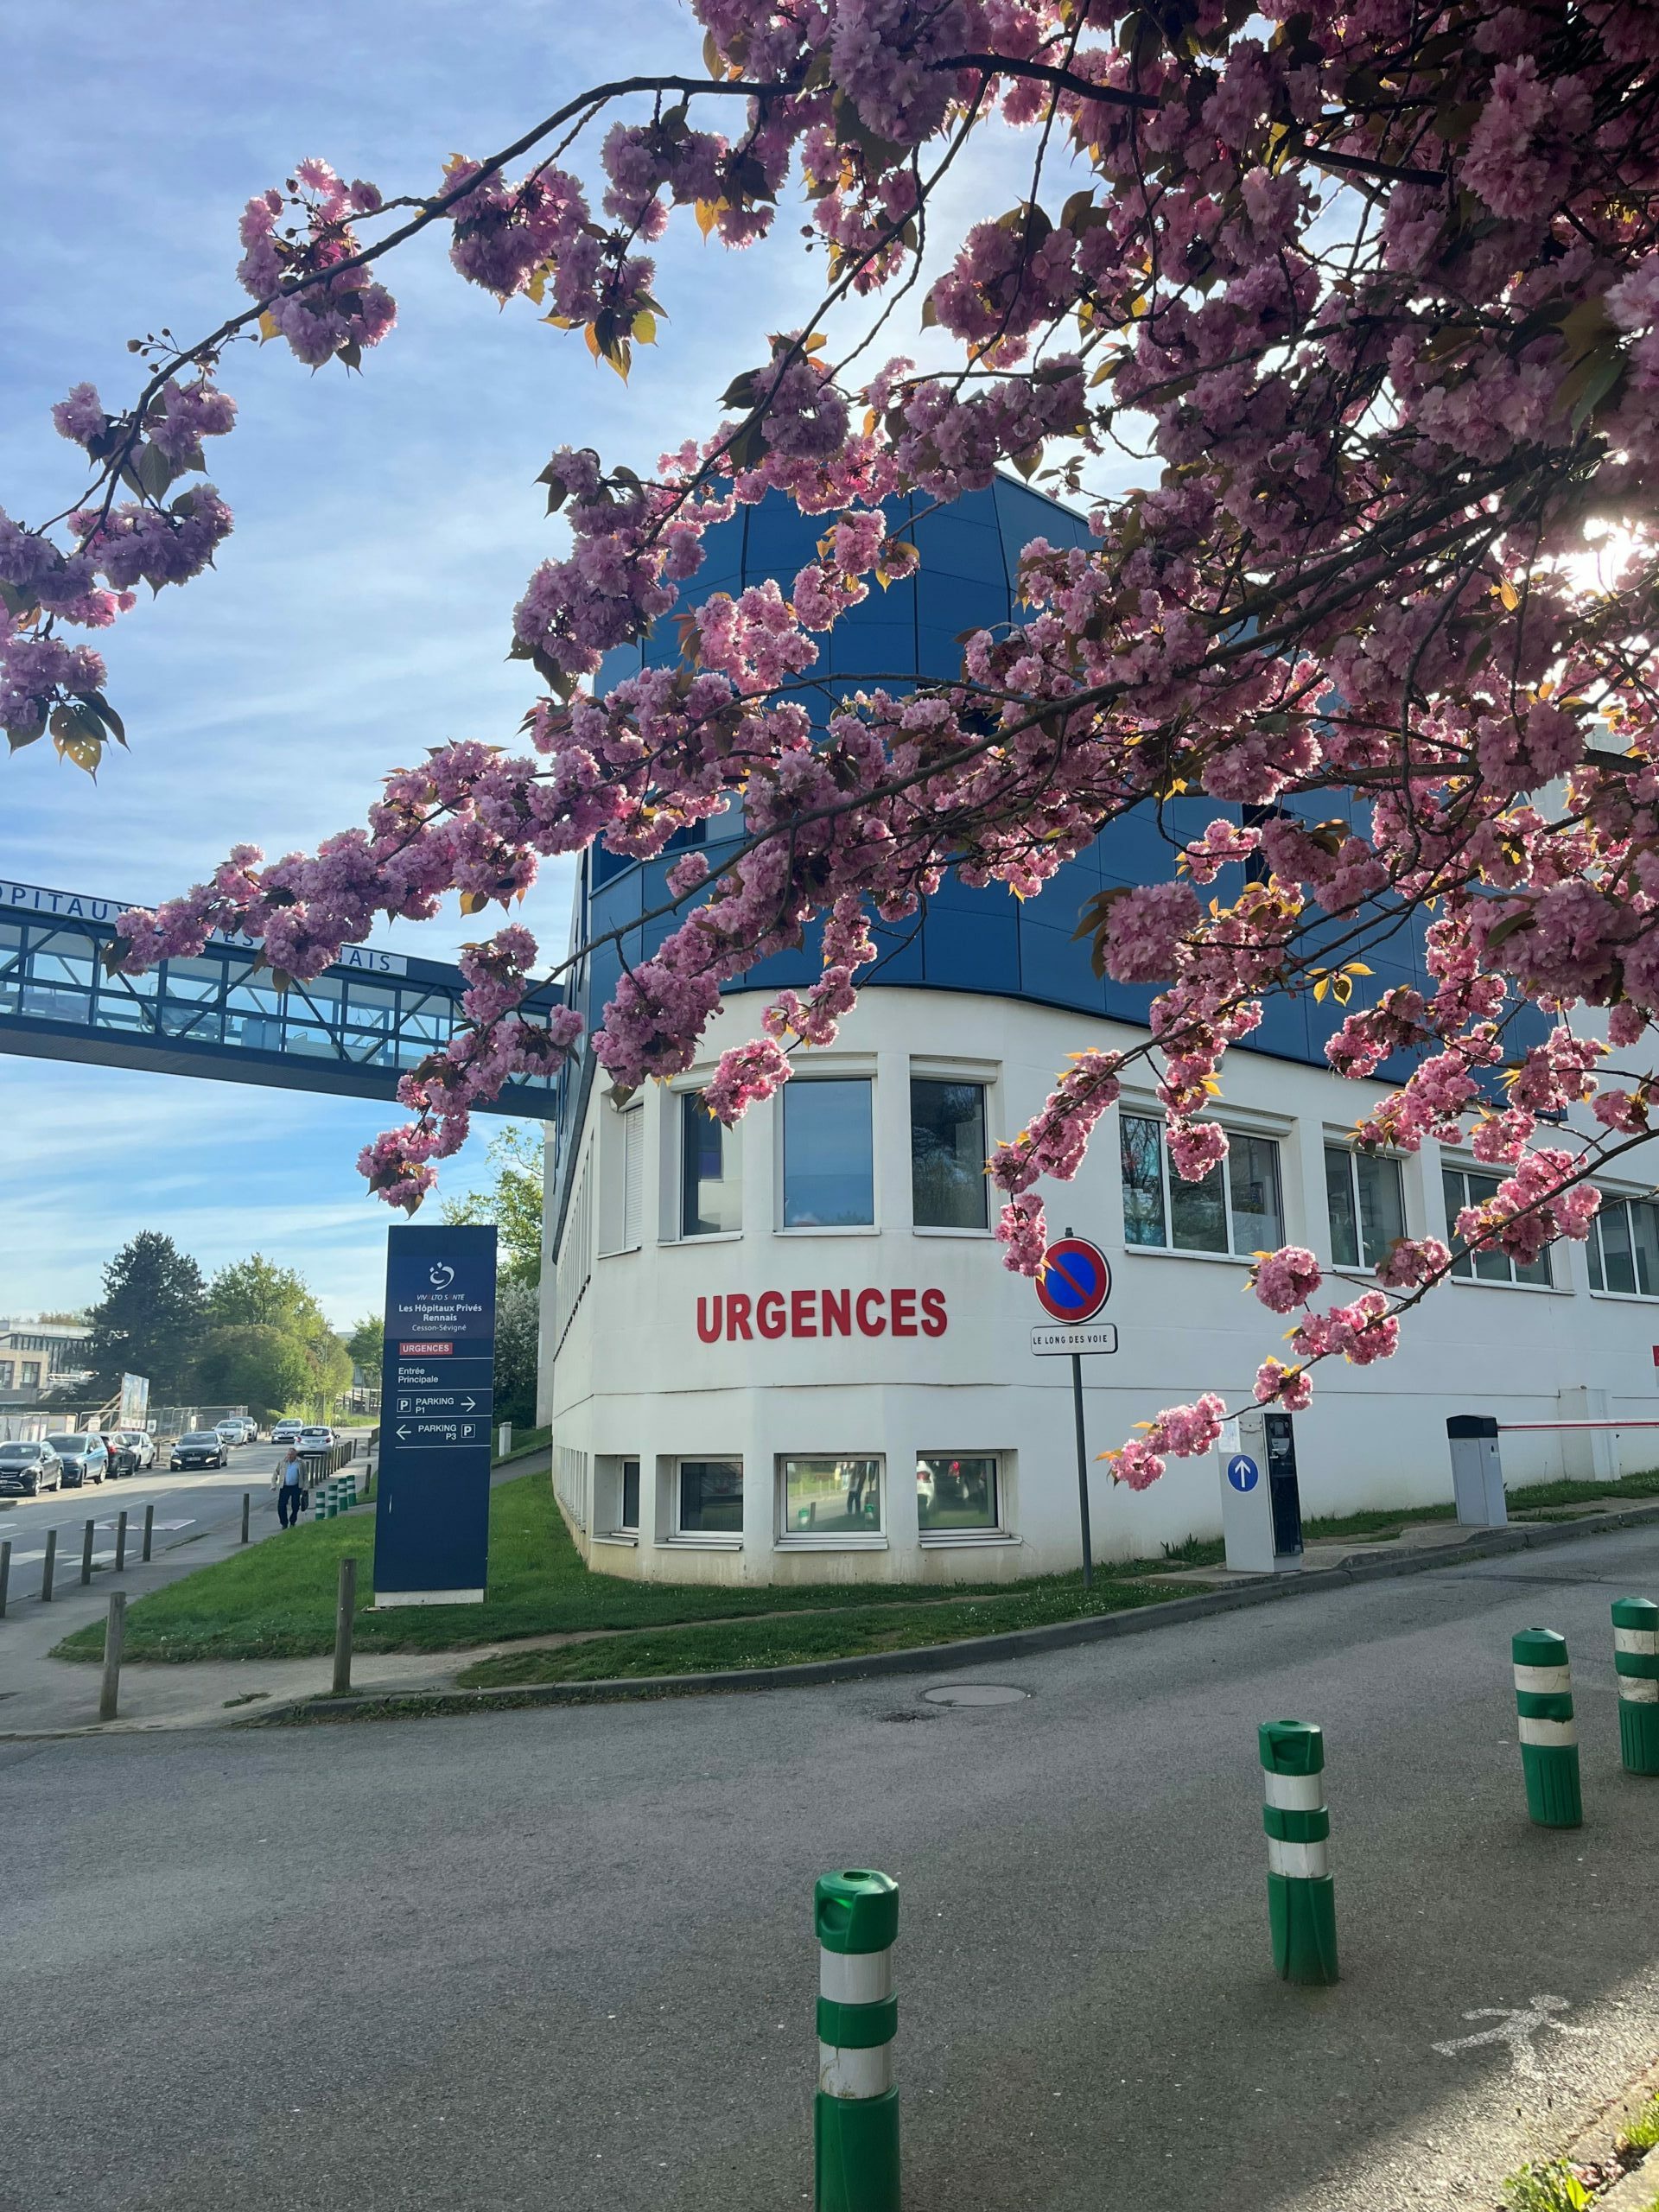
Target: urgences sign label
x: 736, y: 1316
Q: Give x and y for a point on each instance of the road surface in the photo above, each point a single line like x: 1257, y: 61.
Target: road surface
x: 562, y: 1959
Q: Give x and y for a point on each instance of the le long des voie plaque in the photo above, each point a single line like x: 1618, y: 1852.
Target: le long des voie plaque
x: 437, y: 1398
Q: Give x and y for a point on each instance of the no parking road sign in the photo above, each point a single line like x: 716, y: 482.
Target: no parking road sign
x: 1076, y: 1281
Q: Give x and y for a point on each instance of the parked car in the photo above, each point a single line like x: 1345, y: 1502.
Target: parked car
x: 83, y: 1459
x: 26, y: 1470
x: 288, y: 1432
x: 315, y: 1439
x: 200, y: 1448
x: 124, y: 1460
x: 141, y: 1445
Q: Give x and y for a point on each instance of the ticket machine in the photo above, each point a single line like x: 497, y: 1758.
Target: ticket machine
x: 1261, y: 1503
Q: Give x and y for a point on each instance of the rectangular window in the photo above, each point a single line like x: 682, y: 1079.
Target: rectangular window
x: 630, y: 1516
x: 1366, y: 1205
x: 1237, y: 1207
x: 954, y: 1491
x: 5, y: 1373
x: 947, y: 1153
x: 711, y: 1196
x: 1461, y: 1188
x: 31, y: 1374
x: 829, y: 1153
x: 633, y: 1178
x: 711, y: 1497
x: 830, y: 1497
x: 1623, y: 1247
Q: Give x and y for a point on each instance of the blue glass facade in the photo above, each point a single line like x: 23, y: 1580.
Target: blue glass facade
x: 967, y: 940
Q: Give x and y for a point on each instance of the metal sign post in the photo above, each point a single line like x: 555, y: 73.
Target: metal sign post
x: 1075, y: 1283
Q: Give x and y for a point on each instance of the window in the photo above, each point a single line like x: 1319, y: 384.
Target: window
x: 711, y: 1196
x: 1623, y: 1247
x: 1236, y: 1208
x: 31, y: 1374
x: 1463, y: 1189
x: 829, y: 1153
x: 953, y: 1491
x: 711, y: 1497
x: 622, y: 1179
x: 947, y: 1153
x: 629, y: 1517
x: 6, y: 1371
x: 1366, y: 1206
x: 830, y: 1497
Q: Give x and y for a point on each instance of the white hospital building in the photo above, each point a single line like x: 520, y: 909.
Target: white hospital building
x: 790, y: 1352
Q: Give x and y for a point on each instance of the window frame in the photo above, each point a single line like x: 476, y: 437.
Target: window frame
x: 1231, y: 1256
x: 720, y: 1539
x: 674, y: 1229
x: 827, y: 1539
x: 999, y: 1528
x: 1595, y: 1258
x: 1470, y: 1279
x: 966, y: 1080
x: 1364, y: 1263
x: 853, y: 1073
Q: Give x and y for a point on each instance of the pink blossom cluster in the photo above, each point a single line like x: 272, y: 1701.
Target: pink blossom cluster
x: 1286, y: 1279
x: 297, y: 272
x: 1178, y: 1433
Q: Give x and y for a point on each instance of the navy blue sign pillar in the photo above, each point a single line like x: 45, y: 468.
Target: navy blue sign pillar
x: 432, y: 1522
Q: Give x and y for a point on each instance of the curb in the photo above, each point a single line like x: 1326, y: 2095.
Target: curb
x: 938, y: 1658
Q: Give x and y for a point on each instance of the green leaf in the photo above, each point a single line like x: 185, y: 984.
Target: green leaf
x: 153, y: 470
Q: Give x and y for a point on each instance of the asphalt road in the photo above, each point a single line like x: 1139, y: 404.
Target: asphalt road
x: 562, y: 1959
x: 187, y: 1505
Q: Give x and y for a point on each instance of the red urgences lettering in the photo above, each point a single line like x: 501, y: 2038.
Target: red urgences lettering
x: 734, y: 1315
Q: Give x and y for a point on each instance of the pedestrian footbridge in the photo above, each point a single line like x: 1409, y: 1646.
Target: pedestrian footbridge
x: 352, y: 1032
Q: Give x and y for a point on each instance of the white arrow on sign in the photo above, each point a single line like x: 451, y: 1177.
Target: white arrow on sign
x: 402, y: 1432
x: 471, y: 1403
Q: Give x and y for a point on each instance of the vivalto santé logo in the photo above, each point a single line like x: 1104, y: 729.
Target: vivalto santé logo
x: 441, y: 1276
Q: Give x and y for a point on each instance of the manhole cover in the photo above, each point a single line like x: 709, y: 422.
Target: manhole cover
x: 973, y: 1694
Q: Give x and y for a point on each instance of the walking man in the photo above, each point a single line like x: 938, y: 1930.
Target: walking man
x: 287, y: 1490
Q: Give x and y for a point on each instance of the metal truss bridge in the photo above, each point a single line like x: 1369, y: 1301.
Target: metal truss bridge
x: 351, y: 1032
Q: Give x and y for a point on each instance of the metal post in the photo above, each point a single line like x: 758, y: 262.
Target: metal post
x: 121, y: 1541
x: 1301, y: 1897
x: 1549, y: 1734
x: 343, y: 1603
x: 503, y: 1439
x: 5, y: 1572
x: 1083, y: 1474
x: 149, y: 1530
x: 115, y: 1630
x: 86, y: 1557
x: 856, y: 2112
x: 49, y: 1565
x: 247, y: 1508
x: 1635, y: 1661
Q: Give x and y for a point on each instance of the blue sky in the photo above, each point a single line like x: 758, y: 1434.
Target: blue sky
x: 386, y: 524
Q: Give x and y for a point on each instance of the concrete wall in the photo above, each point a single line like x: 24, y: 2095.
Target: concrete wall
x: 624, y: 1372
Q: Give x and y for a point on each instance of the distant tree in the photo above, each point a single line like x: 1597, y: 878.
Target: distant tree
x: 255, y: 1365
x: 512, y: 1200
x: 151, y: 1319
x: 330, y: 1366
x: 256, y: 1294
x: 367, y: 1343
x: 66, y: 1320
x: 517, y: 1315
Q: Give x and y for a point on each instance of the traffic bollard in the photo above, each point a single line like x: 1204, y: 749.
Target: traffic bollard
x: 115, y: 1630
x: 1636, y: 1661
x: 856, y: 2112
x: 149, y: 1531
x: 121, y: 1542
x: 247, y: 1508
x: 345, y: 1603
x: 1302, y: 1896
x: 5, y: 1572
x: 86, y: 1557
x: 1549, y: 1734
x: 49, y: 1565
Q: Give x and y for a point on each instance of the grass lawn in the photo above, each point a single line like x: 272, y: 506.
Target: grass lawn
x: 850, y: 1631
x: 277, y: 1599
x: 525, y: 1440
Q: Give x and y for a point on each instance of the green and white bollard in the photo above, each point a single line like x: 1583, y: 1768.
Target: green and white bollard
x: 1636, y: 1661
x: 1549, y: 1734
x: 855, y: 2114
x: 1302, y: 1896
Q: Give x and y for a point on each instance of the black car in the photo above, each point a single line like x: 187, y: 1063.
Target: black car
x: 83, y: 1459
x: 26, y: 1470
x: 201, y: 1447
x: 124, y: 1460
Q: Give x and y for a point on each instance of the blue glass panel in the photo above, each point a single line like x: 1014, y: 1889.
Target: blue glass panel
x: 972, y: 952
x: 1054, y: 969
